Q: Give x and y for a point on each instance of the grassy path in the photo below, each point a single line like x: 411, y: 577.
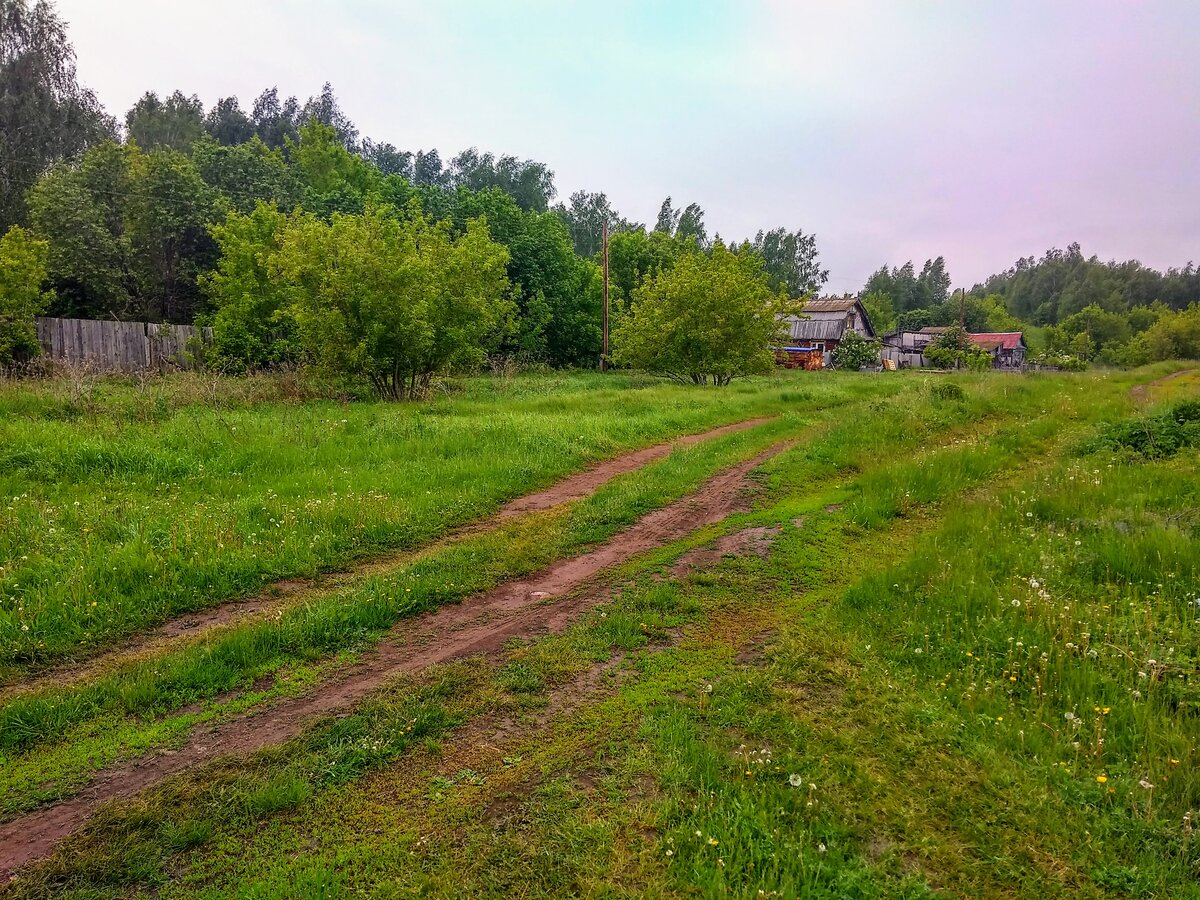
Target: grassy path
x: 288, y: 593
x: 481, y: 625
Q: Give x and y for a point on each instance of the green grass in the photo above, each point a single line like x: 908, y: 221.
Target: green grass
x: 953, y: 576
x: 130, y: 507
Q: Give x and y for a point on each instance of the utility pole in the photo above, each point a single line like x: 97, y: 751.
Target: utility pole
x: 604, y: 342
x: 962, y: 324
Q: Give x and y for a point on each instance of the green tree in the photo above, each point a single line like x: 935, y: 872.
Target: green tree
x: 953, y: 349
x: 79, y: 209
x: 22, y: 271
x: 709, y: 318
x: 791, y: 261
x: 253, y: 325
x: 394, y: 301
x: 167, y: 215
x: 387, y: 159
x: 585, y: 215
x: 668, y: 219
x: 529, y: 183
x: 855, y: 352
x: 173, y: 124
x: 227, y: 124
x: 880, y: 311
x: 275, y: 122
x: 338, y: 180
x: 637, y: 254
x: 324, y: 108
x: 691, y: 226
x: 243, y: 174
x: 128, y: 233
x: 45, y: 114
x: 559, y: 295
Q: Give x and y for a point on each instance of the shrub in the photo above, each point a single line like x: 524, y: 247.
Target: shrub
x: 710, y: 317
x: 947, y: 390
x: 22, y: 271
x: 1154, y: 437
x: 855, y: 352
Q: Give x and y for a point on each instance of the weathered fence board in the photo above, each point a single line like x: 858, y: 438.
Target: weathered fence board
x: 121, y: 346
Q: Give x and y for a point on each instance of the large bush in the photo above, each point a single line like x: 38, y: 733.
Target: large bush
x: 854, y: 352
x: 22, y: 271
x: 394, y: 300
x: 709, y: 318
x: 253, y: 325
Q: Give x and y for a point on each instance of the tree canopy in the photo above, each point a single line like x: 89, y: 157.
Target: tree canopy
x: 46, y: 115
x: 710, y: 318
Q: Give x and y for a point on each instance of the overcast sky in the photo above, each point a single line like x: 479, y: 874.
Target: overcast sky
x: 981, y: 130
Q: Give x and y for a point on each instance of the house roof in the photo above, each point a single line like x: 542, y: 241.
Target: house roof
x: 829, y: 304
x: 827, y: 328
x: 934, y: 329
x: 1002, y: 340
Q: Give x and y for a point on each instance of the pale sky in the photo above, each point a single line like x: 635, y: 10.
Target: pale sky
x: 981, y: 130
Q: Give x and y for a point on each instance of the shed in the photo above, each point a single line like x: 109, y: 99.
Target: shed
x: 822, y: 326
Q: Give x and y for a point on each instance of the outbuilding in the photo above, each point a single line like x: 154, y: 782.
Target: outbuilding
x: 813, y: 335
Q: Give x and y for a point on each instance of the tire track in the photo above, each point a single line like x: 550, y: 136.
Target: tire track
x: 286, y: 593
x: 546, y: 602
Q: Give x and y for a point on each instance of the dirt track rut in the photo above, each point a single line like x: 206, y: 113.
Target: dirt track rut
x: 288, y: 592
x: 546, y: 602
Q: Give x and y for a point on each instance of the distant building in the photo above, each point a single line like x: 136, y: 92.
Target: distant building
x: 907, y: 348
x: 1007, y: 347
x: 813, y: 336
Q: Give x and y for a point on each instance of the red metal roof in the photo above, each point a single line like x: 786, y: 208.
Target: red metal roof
x: 1007, y: 340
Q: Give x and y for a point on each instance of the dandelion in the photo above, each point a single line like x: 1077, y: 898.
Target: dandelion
x: 1102, y: 779
x: 712, y: 841
x: 1145, y: 785
x: 698, y: 834
x: 821, y: 848
x: 795, y: 780
x: 1015, y: 603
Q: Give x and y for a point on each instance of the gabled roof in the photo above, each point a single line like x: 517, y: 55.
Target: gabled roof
x: 1004, y: 340
x: 826, y: 318
x: 830, y: 304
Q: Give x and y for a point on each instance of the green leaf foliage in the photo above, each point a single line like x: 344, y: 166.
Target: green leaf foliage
x: 709, y: 318
x: 22, y: 271
x: 393, y: 301
x: 855, y: 352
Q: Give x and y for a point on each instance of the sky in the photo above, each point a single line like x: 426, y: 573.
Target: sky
x: 978, y: 130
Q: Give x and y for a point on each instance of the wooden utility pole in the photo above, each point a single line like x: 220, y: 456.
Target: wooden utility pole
x: 962, y: 324
x: 604, y: 342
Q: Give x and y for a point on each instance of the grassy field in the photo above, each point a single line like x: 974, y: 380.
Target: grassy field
x: 965, y: 665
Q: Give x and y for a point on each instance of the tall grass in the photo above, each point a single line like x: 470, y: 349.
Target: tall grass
x: 112, y: 519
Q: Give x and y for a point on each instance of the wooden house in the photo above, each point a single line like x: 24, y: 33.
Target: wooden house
x: 811, y: 337
x: 1007, y: 347
x: 907, y: 348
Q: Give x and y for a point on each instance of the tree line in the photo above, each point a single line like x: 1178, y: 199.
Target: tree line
x: 1085, y: 309
x: 187, y: 214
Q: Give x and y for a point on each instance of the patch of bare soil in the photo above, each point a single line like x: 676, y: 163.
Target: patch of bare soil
x: 748, y: 542
x: 753, y: 650
x: 546, y: 602
x: 285, y: 593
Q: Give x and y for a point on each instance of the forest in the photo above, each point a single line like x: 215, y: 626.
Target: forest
x: 220, y: 216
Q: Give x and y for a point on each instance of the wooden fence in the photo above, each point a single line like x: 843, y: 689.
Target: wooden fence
x: 110, y: 346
